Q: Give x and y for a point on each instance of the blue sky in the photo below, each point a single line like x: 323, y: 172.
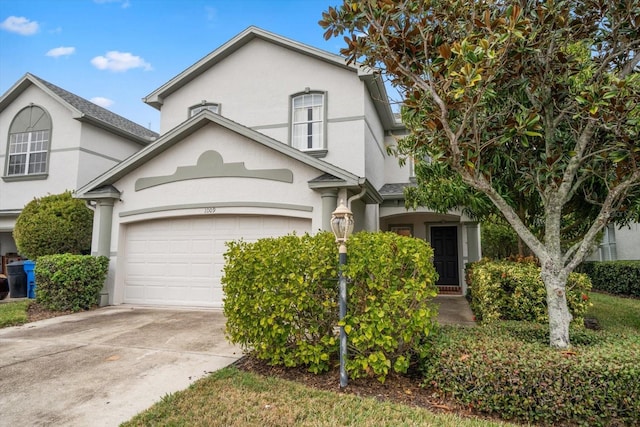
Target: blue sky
x: 115, y: 52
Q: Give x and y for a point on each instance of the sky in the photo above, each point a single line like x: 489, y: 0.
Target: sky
x: 115, y: 52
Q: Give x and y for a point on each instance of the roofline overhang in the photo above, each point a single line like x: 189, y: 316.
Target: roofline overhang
x: 107, y: 192
x: 156, y: 98
x: 81, y: 117
x: 378, y: 92
x: 196, y: 123
x: 371, y: 196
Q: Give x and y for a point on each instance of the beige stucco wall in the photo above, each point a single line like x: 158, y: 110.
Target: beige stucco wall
x: 179, y: 195
x: 628, y: 242
x: 254, y: 85
x: 63, y: 157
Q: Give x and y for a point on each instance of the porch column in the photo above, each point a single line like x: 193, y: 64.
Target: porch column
x: 104, y: 208
x: 329, y: 204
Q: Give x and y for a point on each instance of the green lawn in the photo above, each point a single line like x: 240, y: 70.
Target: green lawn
x: 13, y: 313
x: 231, y: 397
x: 614, y: 313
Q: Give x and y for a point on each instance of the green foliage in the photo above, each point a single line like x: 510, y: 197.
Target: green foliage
x: 281, y: 300
x: 53, y: 224
x: 614, y: 277
x: 531, y: 105
x: 392, y: 278
x: 506, y: 369
x: 507, y: 290
x: 70, y: 282
x: 498, y: 239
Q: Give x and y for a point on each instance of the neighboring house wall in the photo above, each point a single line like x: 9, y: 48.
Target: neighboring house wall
x: 618, y: 243
x: 79, y: 148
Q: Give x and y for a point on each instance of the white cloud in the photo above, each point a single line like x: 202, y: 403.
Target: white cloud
x: 125, y: 3
x: 119, y: 61
x: 101, y: 101
x: 61, y: 51
x: 20, y: 25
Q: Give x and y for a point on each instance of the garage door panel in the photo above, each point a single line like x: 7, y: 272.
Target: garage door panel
x: 179, y: 261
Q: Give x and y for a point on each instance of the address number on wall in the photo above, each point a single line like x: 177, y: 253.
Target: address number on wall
x: 209, y: 210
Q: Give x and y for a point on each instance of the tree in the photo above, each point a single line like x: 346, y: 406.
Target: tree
x: 521, y: 101
x: 54, y: 224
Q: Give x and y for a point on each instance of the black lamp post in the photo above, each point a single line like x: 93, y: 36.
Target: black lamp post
x: 342, y: 227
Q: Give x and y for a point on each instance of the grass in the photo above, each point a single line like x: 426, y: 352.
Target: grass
x: 13, y: 313
x: 231, y: 397
x: 614, y: 313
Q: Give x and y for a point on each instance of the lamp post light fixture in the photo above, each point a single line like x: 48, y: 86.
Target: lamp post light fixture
x: 342, y: 227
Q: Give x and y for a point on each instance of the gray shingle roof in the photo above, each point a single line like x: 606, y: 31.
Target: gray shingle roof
x: 394, y: 189
x: 100, y: 114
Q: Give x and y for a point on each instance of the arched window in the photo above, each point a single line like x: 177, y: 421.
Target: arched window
x: 29, y: 142
x: 204, y: 105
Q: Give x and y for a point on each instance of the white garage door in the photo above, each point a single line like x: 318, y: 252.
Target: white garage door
x: 179, y: 261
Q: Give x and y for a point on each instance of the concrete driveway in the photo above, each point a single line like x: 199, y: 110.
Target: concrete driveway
x: 99, y: 368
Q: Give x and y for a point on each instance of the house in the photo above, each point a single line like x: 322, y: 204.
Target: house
x: 52, y: 141
x: 262, y: 137
x: 618, y: 243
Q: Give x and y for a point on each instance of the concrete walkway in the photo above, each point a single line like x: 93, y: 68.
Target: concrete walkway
x: 454, y: 310
x: 101, y: 367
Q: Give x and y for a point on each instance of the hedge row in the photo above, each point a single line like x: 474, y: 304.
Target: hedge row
x: 508, y: 290
x: 614, y: 277
x: 281, y: 300
x: 507, y: 369
x: 70, y: 282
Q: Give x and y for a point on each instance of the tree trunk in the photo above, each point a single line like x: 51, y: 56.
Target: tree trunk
x: 555, y: 281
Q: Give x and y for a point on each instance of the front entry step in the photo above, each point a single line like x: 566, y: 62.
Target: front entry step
x: 449, y: 290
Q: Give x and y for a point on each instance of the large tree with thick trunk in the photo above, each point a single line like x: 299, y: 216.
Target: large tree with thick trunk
x: 533, y: 106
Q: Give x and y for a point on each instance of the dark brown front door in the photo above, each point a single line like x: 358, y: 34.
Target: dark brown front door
x: 444, y: 241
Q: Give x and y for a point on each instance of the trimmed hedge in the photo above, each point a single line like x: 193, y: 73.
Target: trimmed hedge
x: 70, y: 282
x: 281, y: 300
x: 614, y: 277
x: 54, y: 224
x: 507, y: 290
x: 507, y: 369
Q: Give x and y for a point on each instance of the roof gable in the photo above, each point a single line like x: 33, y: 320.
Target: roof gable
x: 82, y: 109
x: 369, y: 76
x: 191, y: 126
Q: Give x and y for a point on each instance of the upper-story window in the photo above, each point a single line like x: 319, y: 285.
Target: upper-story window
x: 204, y: 106
x: 308, y: 121
x: 29, y: 143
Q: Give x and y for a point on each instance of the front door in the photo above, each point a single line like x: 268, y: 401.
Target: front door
x: 444, y: 241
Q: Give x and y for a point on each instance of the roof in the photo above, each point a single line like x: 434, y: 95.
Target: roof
x: 83, y: 109
x: 96, y: 188
x: 394, y: 190
x: 369, y: 76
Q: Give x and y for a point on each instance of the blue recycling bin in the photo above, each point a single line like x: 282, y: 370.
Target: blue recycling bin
x: 29, y: 268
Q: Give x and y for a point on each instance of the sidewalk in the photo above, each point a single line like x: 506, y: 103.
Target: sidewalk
x: 454, y: 310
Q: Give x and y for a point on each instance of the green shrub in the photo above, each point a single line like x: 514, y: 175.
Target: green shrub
x: 499, y: 240
x: 614, y: 277
x: 281, y: 300
x: 506, y: 290
x: 392, y: 279
x: 54, y: 224
x: 70, y: 282
x: 493, y: 370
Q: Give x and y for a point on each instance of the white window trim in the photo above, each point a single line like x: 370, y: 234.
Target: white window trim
x: 204, y: 105
x: 321, y: 149
x: 32, y: 130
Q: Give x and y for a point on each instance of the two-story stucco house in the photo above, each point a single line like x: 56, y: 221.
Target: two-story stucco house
x: 52, y: 141
x: 262, y: 137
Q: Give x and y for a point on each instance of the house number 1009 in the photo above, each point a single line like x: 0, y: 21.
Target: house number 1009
x: 209, y: 210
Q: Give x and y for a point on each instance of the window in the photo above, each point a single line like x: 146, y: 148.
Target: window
x: 29, y: 143
x: 204, y: 106
x: 307, y: 121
